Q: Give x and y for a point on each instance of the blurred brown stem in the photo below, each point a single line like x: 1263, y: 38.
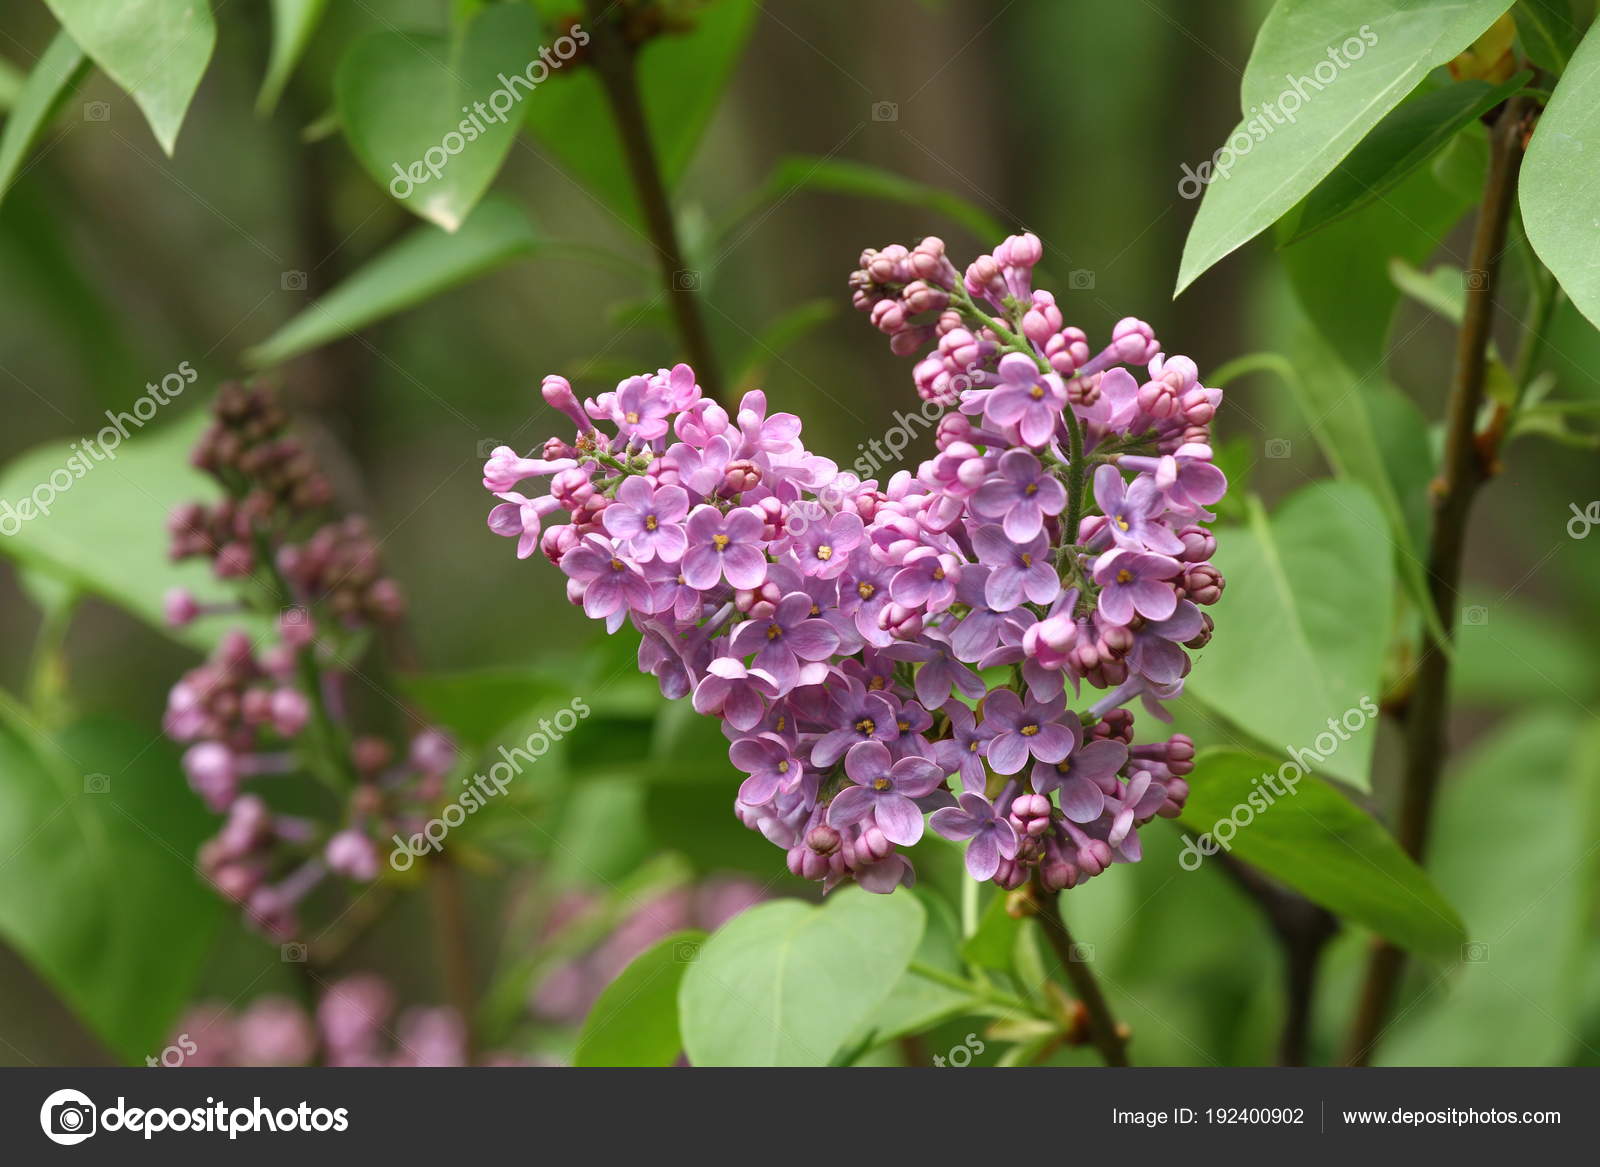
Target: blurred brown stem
x: 1108, y: 1036
x: 613, y: 60
x: 1466, y: 467
x: 1303, y: 929
x: 455, y: 946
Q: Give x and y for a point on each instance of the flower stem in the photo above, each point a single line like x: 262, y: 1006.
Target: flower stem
x: 1108, y: 1035
x: 613, y: 61
x: 455, y: 949
x: 1465, y: 469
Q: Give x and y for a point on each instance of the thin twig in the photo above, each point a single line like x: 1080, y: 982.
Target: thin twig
x: 455, y: 946
x: 613, y: 60
x: 1466, y: 467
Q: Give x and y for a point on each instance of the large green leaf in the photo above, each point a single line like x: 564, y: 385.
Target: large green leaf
x: 1400, y: 41
x: 423, y: 264
x: 106, y: 531
x: 1559, y: 190
x: 681, y: 76
x: 97, y: 885
x: 52, y: 81
x: 1403, y: 141
x: 1317, y: 841
x: 157, y: 50
x: 293, y: 22
x: 1514, y: 848
x: 1370, y: 433
x: 917, y: 1003
x: 635, y: 1021
x: 1341, y: 274
x: 787, y: 984
x: 1315, y: 584
x: 405, y: 98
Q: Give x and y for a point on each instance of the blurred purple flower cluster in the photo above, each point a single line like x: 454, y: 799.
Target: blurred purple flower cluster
x: 865, y: 643
x: 253, y: 711
x: 356, y: 1023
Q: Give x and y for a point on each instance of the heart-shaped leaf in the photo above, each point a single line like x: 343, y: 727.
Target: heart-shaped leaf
x: 157, y: 50
x: 432, y: 119
x: 635, y: 1020
x: 1308, y: 835
x: 787, y: 984
x: 1315, y: 584
x: 1343, y: 64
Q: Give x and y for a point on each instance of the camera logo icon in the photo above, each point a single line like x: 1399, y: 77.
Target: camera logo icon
x: 686, y: 281
x: 294, y: 281
x: 1081, y: 280
x: 885, y: 111
x: 96, y: 111
x: 1475, y: 280
x: 1278, y: 448
x: 68, y: 1117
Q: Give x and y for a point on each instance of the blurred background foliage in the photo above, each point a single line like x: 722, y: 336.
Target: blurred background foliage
x: 1067, y: 119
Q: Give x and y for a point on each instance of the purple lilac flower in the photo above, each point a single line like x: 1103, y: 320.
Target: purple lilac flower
x: 1019, y: 572
x: 1130, y: 513
x: 1023, y: 731
x: 883, y: 791
x: 724, y: 546
x: 1022, y: 495
x: 1084, y: 777
x: 784, y: 640
x: 992, y: 837
x: 1135, y: 581
x: 857, y: 716
x: 773, y: 769
x: 647, y: 521
x: 1027, y: 399
x: 964, y: 750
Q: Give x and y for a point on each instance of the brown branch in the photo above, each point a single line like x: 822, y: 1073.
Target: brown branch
x: 612, y: 57
x: 1465, y: 469
x: 1303, y: 930
x: 1108, y: 1035
x: 455, y: 946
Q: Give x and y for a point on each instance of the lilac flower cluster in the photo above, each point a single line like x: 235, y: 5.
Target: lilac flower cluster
x: 356, y: 1022
x: 253, y: 711
x: 868, y: 646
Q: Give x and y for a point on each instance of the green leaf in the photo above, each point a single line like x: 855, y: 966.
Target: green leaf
x: 1314, y: 583
x: 1550, y: 31
x: 1530, y: 799
x: 635, y: 1020
x: 400, y: 98
x: 1521, y: 654
x: 106, y: 532
x: 917, y: 1004
x: 1341, y: 273
x: 994, y: 944
x: 1306, y: 834
x: 800, y: 173
x: 52, y: 81
x: 293, y: 22
x: 1370, y: 433
x: 1559, y: 189
x: 1400, y: 42
x: 98, y: 889
x: 423, y: 264
x: 680, y: 75
x: 157, y: 50
x: 1403, y: 141
x: 788, y: 984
